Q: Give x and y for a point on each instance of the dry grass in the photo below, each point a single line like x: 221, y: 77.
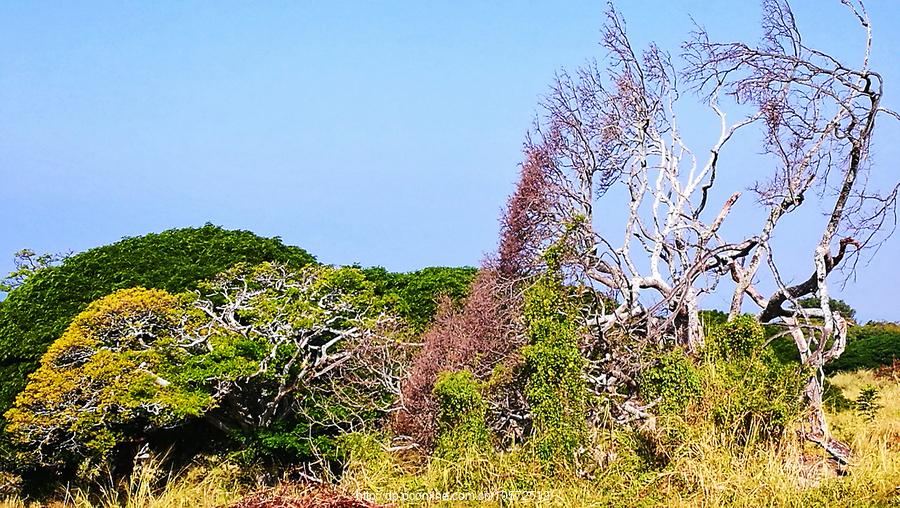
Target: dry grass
x: 707, y: 470
x: 704, y: 471
x: 196, y: 487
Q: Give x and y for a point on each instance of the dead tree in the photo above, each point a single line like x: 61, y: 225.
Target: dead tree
x: 613, y: 132
x: 819, y: 114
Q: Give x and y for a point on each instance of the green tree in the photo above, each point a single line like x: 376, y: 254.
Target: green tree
x: 111, y: 377
x: 282, y: 360
x: 326, y: 354
x: 37, y: 312
x: 416, y: 294
x: 840, y: 306
x: 28, y: 263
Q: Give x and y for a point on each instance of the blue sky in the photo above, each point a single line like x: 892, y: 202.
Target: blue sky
x: 385, y: 133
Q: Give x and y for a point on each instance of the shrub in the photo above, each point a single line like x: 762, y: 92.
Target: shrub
x: 741, y: 337
x: 556, y: 390
x: 673, y: 380
x: 461, y: 424
x: 474, y: 337
x: 36, y: 313
x: 748, y: 392
x: 754, y: 398
x: 867, y: 404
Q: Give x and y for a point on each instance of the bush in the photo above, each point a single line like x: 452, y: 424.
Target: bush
x: 754, y: 398
x: 475, y: 337
x: 36, y: 313
x: 555, y: 390
x: 741, y: 337
x: 280, y: 360
x: 748, y: 392
x: 461, y: 424
x: 673, y: 380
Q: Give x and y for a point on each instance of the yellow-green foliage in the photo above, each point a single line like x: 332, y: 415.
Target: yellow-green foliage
x: 461, y: 412
x: 107, y: 373
x: 747, y: 392
x: 704, y: 470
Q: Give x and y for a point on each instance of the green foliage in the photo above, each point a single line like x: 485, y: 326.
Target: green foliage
x: 287, y: 441
x: 783, y: 347
x: 747, y: 391
x: 556, y: 389
x: 754, y: 398
x: 36, y: 313
x: 740, y: 338
x: 27, y: 264
x: 712, y: 319
x: 415, y: 295
x: 461, y: 415
x: 868, y: 347
x: 867, y: 404
x: 842, y: 307
x: 833, y: 398
x: 283, y: 363
x: 304, y: 376
x: 673, y: 380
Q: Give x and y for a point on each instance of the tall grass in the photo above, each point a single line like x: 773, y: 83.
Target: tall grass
x: 699, y: 466
x: 152, y: 486
x: 671, y: 464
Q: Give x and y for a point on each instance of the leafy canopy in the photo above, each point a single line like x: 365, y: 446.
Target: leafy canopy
x: 37, y: 312
x: 113, y: 373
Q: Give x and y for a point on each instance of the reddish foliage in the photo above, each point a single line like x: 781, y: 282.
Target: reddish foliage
x: 475, y: 337
x: 316, y: 498
x: 520, y: 235
x: 890, y: 372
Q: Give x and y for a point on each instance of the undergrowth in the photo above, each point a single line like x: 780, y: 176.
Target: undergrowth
x: 671, y: 462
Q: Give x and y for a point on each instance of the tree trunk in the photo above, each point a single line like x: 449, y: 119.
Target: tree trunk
x: 816, y: 426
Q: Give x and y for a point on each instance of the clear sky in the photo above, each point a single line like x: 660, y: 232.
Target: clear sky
x: 386, y: 133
